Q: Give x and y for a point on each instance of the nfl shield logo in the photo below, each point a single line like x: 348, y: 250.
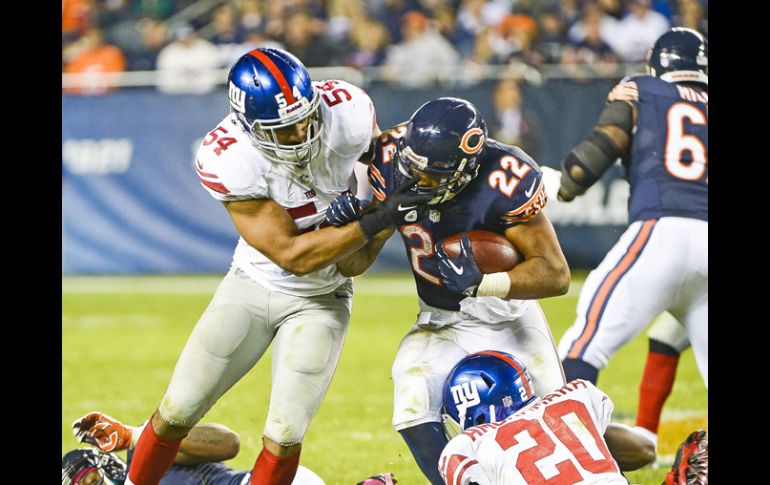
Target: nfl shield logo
x: 434, y: 215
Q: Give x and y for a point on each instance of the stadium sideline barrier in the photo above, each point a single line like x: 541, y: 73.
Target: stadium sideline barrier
x: 132, y: 204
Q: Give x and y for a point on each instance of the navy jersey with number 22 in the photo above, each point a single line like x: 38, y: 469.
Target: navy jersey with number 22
x: 667, y: 168
x: 508, y: 190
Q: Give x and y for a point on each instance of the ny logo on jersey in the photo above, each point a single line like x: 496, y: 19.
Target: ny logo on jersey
x: 465, y: 395
x: 237, y: 98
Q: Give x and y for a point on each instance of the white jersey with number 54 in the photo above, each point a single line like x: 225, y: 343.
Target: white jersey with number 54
x: 230, y: 168
x: 558, y: 440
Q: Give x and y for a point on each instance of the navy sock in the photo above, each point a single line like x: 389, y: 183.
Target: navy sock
x: 426, y: 441
x: 578, y: 369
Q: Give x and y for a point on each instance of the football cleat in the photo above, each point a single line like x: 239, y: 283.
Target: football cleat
x: 691, y: 465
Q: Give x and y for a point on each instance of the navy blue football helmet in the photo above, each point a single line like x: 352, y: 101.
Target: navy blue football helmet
x: 485, y: 387
x: 443, y: 141
x: 77, y: 463
x: 270, y: 90
x: 680, y: 55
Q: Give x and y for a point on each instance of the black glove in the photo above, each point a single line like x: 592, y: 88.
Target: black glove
x: 345, y: 208
x: 461, y: 274
x: 400, y: 207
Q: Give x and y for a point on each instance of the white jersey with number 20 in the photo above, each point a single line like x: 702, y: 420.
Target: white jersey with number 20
x: 557, y: 440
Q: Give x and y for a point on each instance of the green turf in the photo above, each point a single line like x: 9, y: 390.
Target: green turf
x: 121, y: 338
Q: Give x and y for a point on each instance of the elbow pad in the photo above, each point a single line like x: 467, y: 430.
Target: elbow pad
x: 586, y: 163
x: 590, y: 159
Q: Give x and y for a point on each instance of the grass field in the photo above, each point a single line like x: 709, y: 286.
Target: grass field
x: 121, y: 338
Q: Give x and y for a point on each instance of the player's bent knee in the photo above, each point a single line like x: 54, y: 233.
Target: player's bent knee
x: 411, y: 402
x: 183, y: 408
x: 287, y: 424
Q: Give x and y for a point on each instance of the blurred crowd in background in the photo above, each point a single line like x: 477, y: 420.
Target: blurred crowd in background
x: 409, y: 42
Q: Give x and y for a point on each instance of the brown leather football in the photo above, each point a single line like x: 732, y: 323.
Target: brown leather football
x: 493, y: 253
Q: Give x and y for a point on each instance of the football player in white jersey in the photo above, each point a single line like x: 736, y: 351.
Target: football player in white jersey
x: 512, y: 436
x: 287, y: 149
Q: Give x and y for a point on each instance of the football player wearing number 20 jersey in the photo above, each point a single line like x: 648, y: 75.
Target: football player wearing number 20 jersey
x: 510, y: 435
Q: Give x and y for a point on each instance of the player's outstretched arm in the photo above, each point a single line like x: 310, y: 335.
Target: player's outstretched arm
x: 269, y: 228
x: 544, y: 272
x: 630, y: 449
x: 204, y: 443
x: 208, y: 442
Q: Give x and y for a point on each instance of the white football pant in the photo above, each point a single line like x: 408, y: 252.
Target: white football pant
x: 656, y: 266
x: 233, y: 334
x: 427, y: 355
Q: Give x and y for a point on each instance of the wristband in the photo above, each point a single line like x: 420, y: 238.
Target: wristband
x: 495, y: 284
x: 374, y: 222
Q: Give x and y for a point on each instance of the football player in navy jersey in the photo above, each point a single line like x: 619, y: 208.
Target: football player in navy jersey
x: 657, y: 124
x: 198, y: 461
x: 474, y: 183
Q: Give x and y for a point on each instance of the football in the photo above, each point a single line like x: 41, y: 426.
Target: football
x: 493, y: 253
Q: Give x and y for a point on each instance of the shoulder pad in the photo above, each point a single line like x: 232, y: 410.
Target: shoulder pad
x: 353, y: 111
x: 229, y: 167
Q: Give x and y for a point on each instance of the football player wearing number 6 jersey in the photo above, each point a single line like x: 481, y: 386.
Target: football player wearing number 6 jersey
x: 473, y: 183
x: 285, y: 151
x: 511, y: 435
x: 657, y: 125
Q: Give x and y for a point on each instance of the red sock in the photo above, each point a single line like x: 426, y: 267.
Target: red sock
x: 657, y: 381
x: 153, y: 457
x: 274, y: 470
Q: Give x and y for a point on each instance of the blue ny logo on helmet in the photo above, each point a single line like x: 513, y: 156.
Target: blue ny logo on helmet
x: 485, y: 387
x: 271, y: 94
x: 680, y: 55
x: 442, y: 143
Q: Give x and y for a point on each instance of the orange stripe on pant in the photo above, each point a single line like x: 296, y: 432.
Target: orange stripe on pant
x: 605, y: 289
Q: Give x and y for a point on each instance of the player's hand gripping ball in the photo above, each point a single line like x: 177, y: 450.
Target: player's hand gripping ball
x: 492, y: 252
x: 460, y: 274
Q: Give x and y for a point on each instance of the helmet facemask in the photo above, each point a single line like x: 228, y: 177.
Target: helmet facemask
x: 265, y: 134
x: 446, y: 184
x: 78, y: 463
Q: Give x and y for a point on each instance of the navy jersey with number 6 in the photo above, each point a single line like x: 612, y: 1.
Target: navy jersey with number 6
x: 667, y: 168
x: 508, y: 190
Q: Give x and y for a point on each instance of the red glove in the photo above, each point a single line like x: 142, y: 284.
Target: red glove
x: 106, y: 433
